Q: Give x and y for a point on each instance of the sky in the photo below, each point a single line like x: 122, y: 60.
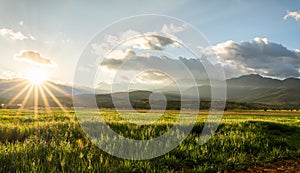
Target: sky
x: 260, y: 37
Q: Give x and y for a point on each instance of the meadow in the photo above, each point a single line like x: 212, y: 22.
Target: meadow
x: 54, y: 142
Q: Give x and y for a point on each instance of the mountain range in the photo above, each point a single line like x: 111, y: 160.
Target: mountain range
x: 251, y: 89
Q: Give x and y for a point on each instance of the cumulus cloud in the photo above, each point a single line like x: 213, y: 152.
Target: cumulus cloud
x: 147, y: 41
x: 293, y: 14
x: 153, y: 76
x: 131, y: 39
x: 131, y: 54
x: 172, y: 28
x: 104, y: 49
x: 258, y: 56
x: 178, y: 68
x: 139, y: 63
x: 6, y: 74
x: 34, y: 57
x: 14, y: 35
x: 128, y: 47
x: 157, y: 72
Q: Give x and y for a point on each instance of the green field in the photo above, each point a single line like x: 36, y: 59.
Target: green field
x: 54, y: 142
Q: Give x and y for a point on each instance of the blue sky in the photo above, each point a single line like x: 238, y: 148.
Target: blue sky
x: 59, y: 30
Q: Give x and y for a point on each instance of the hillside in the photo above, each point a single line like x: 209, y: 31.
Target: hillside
x: 247, y: 89
x: 256, y: 89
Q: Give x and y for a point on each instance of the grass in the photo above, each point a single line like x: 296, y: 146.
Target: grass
x: 55, y: 142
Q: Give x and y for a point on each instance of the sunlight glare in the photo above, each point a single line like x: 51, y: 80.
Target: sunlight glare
x: 36, y: 77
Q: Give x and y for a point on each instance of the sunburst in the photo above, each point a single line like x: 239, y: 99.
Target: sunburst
x: 37, y: 85
x: 35, y: 90
x: 36, y: 77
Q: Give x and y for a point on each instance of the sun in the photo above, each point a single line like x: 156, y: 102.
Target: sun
x: 36, y: 77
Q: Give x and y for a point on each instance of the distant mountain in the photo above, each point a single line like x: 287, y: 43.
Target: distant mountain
x: 244, y: 89
x: 254, y: 81
x: 255, y: 88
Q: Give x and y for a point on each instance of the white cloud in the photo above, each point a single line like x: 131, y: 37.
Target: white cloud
x: 129, y: 52
x: 146, y: 41
x: 171, y: 28
x: 158, y: 72
x: 14, y: 35
x: 151, y: 76
x: 257, y: 56
x: 297, y: 51
x: 35, y: 58
x: 104, y: 49
x: 5, y: 74
x: 177, y: 68
x: 31, y: 37
x: 130, y: 39
x: 120, y: 54
x: 21, y: 23
x: 293, y: 14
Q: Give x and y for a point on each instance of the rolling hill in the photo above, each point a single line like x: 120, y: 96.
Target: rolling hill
x: 244, y: 89
x: 254, y: 88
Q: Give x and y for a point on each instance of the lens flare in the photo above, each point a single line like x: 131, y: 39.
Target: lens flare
x: 36, y: 77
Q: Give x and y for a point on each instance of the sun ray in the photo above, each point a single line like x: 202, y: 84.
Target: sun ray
x: 46, y: 102
x: 72, y: 119
x: 27, y: 97
x: 36, y: 107
x: 57, y: 89
x: 36, y: 99
x: 37, y: 90
x: 19, y: 94
x: 14, y: 87
x: 54, y: 98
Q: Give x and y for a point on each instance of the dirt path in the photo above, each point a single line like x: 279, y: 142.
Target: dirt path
x: 286, y: 166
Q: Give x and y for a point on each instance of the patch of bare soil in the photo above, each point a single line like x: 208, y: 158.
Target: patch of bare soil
x: 284, y: 165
